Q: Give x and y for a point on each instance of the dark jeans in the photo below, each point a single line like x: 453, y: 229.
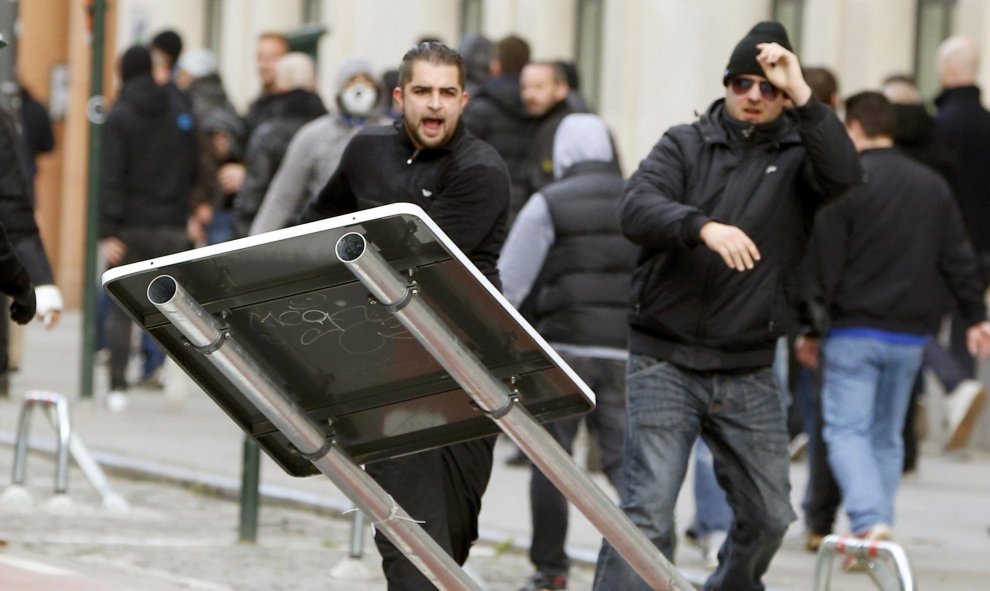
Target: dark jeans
x: 822, y: 496
x: 441, y: 488
x: 142, y: 243
x: 740, y: 415
x: 607, y: 379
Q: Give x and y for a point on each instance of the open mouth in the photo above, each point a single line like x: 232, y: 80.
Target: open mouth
x: 432, y: 125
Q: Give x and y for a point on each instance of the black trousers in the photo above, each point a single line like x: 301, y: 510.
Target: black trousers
x: 143, y: 242
x: 441, y: 488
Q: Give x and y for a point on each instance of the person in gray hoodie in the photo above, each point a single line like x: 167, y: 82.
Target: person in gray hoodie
x: 568, y: 268
x: 315, y: 150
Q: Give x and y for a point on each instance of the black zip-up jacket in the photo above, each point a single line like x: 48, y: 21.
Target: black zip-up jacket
x: 878, y: 258
x: 149, y: 161
x: 266, y: 148
x: 689, y: 308
x: 463, y: 185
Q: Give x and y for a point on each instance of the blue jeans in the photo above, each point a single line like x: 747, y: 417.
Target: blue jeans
x: 740, y: 416
x: 865, y: 396
x: 711, y: 509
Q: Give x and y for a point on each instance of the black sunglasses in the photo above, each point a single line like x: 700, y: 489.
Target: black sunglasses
x: 743, y: 85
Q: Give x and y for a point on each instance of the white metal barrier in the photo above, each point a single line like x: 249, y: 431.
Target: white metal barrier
x: 885, y: 562
x: 68, y: 444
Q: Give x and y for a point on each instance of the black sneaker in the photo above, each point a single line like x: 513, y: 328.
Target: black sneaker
x: 544, y: 582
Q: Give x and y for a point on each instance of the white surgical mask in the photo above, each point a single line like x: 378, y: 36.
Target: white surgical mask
x: 359, y: 99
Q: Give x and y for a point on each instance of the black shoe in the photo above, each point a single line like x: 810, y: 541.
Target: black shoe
x: 517, y: 459
x: 544, y: 582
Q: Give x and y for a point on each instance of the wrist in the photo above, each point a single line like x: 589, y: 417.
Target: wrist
x: 800, y: 94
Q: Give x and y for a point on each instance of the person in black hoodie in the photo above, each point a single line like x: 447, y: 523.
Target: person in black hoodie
x: 148, y: 167
x: 717, y: 209
x: 875, y: 269
x: 497, y: 115
x: 293, y: 105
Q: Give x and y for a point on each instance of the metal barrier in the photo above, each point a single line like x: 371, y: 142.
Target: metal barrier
x: 885, y: 562
x: 68, y: 444
x: 57, y: 409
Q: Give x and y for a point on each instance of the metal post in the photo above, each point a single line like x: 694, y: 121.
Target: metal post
x: 95, y: 113
x: 494, y: 397
x: 61, y: 421
x: 206, y: 334
x: 357, y: 535
x: 250, y: 468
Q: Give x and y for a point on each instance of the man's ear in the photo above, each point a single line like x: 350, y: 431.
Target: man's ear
x: 397, y: 97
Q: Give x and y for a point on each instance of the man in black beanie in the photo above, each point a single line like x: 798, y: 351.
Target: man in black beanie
x: 718, y: 210
x: 147, y: 172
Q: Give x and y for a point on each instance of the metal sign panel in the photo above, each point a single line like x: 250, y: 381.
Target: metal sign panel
x: 348, y: 363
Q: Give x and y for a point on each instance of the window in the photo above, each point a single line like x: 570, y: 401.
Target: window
x: 471, y: 11
x: 790, y: 13
x: 933, y: 25
x: 588, y: 48
x: 214, y: 25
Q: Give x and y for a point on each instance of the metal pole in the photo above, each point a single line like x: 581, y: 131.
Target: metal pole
x: 869, y: 553
x: 95, y: 113
x: 357, y: 535
x: 494, y: 397
x: 229, y: 357
x: 250, y: 480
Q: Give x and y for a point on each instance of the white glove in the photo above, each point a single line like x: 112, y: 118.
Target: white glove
x: 49, y: 304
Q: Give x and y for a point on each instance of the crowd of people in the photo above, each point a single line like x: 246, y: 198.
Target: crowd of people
x: 767, y: 234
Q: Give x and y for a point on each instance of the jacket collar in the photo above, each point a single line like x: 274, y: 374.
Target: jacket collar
x: 714, y: 126
x: 962, y: 94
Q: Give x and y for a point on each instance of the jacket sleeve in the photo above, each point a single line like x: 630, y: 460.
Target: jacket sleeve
x: 336, y: 197
x: 115, y: 160
x: 14, y: 278
x: 959, y: 266
x: 833, y: 165
x: 260, y: 164
x: 651, y: 212
x: 288, y: 189
x: 823, y: 264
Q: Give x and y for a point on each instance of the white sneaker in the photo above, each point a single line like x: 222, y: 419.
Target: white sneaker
x: 964, y: 405
x: 715, y: 541
x: 116, y: 401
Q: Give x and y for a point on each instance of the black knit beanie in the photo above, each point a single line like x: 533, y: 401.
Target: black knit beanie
x: 135, y: 62
x: 743, y: 58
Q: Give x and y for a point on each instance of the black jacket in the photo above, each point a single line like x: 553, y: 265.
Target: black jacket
x: 689, y: 308
x: 964, y: 125
x: 266, y: 148
x: 149, y: 160
x: 581, y: 295
x: 17, y: 206
x: 497, y: 116
x: 463, y: 185
x: 878, y: 257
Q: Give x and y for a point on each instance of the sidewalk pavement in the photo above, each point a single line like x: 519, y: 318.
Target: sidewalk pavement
x: 943, y: 509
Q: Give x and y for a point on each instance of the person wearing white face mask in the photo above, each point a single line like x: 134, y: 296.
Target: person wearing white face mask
x: 315, y: 150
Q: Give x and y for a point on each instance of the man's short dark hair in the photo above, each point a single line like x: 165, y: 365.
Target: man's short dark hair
x: 513, y: 53
x: 559, y: 73
x: 169, y: 43
x: 876, y: 115
x: 822, y: 82
x: 432, y: 52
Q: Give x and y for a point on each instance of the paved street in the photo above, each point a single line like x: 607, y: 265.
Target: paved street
x: 177, y: 461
